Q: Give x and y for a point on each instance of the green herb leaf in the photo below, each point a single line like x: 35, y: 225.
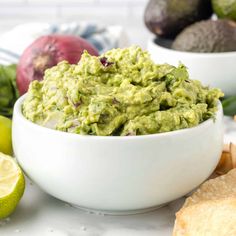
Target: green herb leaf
x: 229, y: 106
x: 8, y: 89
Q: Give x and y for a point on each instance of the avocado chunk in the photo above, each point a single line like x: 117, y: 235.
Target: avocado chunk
x: 225, y: 8
x: 207, y: 36
x: 166, y: 18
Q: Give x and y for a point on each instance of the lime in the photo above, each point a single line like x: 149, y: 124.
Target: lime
x: 12, y: 185
x: 5, y: 135
x: 225, y: 8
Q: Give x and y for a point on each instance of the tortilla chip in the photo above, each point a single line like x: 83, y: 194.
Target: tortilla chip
x: 227, y: 160
x: 225, y: 164
x: 210, y: 218
x: 214, y: 189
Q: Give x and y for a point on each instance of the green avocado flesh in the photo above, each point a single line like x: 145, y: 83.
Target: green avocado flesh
x: 123, y: 92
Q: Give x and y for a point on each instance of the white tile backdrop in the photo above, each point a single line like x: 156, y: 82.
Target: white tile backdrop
x: 128, y: 13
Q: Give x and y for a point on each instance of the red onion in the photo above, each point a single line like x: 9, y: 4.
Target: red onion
x: 46, y: 52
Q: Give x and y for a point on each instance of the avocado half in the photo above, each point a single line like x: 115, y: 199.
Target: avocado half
x: 207, y: 36
x: 166, y: 18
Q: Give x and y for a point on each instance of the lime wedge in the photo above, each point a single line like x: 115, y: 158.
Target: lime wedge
x: 12, y: 185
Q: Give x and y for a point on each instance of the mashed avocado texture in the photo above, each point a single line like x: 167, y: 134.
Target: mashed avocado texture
x: 122, y: 92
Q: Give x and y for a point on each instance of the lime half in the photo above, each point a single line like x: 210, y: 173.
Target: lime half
x: 12, y: 185
x: 225, y: 8
x: 5, y: 135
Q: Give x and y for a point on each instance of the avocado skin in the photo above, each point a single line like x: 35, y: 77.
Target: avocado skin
x: 225, y: 8
x: 166, y: 18
x: 207, y: 36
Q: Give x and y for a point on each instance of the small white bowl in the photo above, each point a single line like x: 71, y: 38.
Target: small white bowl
x: 117, y: 174
x: 213, y: 69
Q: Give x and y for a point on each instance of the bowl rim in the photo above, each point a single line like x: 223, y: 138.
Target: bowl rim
x: 18, y: 112
x: 151, y: 42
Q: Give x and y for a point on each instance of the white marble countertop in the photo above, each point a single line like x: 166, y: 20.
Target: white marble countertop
x: 39, y: 214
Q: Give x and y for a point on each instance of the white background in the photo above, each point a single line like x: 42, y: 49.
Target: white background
x: 128, y: 13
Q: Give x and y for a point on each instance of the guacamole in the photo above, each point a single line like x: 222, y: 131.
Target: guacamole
x: 122, y: 92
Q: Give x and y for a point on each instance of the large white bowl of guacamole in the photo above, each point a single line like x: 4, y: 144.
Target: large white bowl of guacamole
x: 122, y: 146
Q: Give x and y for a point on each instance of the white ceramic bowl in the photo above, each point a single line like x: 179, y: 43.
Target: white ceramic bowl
x: 117, y: 174
x: 214, y: 69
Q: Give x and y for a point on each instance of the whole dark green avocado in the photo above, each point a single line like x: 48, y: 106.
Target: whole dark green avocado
x: 166, y: 18
x: 207, y: 36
